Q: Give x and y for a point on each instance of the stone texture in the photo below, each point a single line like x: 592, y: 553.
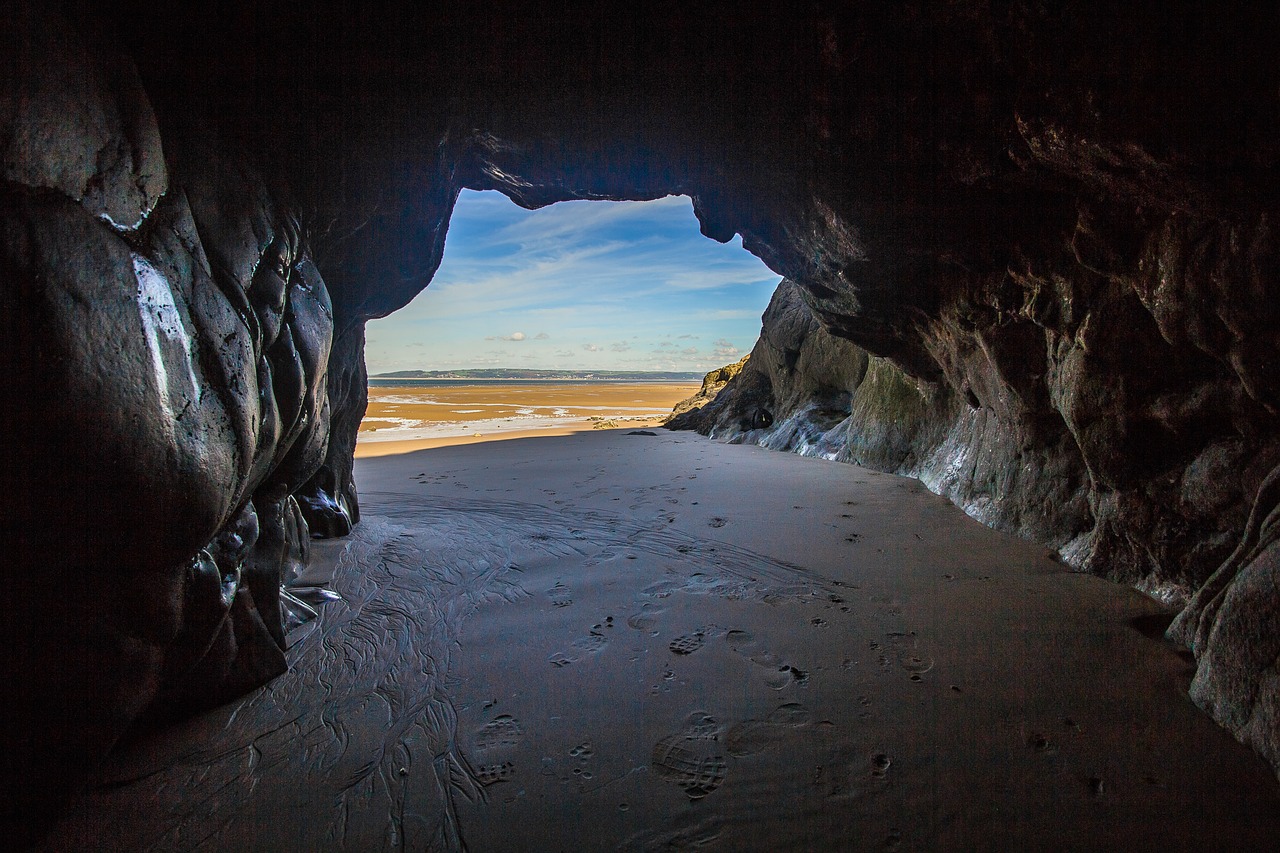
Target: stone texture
x: 712, y: 384
x: 165, y: 338
x: 1030, y: 254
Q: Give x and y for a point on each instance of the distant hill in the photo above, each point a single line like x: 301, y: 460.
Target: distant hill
x: 491, y: 373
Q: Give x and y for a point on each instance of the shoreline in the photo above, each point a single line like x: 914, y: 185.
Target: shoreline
x: 403, y: 418
x: 372, y: 449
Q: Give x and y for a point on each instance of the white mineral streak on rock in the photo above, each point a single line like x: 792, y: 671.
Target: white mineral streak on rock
x: 167, y: 339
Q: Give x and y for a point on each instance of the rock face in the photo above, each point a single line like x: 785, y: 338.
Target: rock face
x: 712, y: 384
x: 165, y: 340
x: 1030, y: 257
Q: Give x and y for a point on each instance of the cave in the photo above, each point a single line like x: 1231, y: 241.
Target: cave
x: 1028, y: 259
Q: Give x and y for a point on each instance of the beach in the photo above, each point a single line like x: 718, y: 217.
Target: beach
x: 402, y: 417
x: 611, y: 641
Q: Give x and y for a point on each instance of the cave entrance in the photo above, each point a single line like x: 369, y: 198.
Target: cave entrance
x: 577, y: 315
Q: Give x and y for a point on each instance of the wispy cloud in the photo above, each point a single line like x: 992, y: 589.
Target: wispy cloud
x: 725, y: 349
x: 582, y: 273
x: 562, y: 223
x: 729, y: 314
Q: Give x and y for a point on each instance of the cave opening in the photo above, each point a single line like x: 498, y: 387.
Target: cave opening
x: 625, y: 306
x: 1030, y: 260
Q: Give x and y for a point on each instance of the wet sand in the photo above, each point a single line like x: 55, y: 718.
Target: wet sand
x: 369, y: 449
x: 613, y: 641
x: 400, y: 419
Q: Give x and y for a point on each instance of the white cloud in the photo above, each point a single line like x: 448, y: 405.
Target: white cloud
x: 725, y: 350
x: 577, y: 271
x: 713, y: 279
x: 561, y: 223
x: 620, y: 346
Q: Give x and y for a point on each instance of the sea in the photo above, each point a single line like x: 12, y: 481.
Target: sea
x: 415, y: 409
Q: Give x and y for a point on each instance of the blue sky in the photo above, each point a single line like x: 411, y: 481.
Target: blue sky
x: 578, y: 285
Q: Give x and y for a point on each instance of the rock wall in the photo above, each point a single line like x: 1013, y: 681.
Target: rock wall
x: 165, y: 338
x: 1030, y: 255
x: 712, y: 384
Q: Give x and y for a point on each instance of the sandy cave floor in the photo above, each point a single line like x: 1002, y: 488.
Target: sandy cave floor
x: 611, y: 641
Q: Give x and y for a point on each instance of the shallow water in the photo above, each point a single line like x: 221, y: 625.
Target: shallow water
x: 443, y: 409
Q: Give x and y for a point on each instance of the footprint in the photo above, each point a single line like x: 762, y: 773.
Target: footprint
x: 502, y: 730
x: 750, y: 737
x: 590, y: 643
x: 644, y: 620
x: 777, y: 673
x: 688, y: 643
x: 746, y: 645
x: 717, y: 522
x: 785, y: 676
x: 916, y: 663
x: 692, y: 758
x: 702, y: 726
x: 661, y: 589
x: 560, y: 595
x: 581, y: 754
x: 491, y: 774
x: 1043, y: 745
x: 880, y: 764
x: 791, y: 714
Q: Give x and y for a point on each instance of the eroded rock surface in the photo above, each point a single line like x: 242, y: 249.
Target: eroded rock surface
x: 1031, y: 257
x: 712, y: 384
x: 165, y: 340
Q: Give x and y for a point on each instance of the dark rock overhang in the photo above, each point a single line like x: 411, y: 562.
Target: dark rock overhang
x: 1053, y: 226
